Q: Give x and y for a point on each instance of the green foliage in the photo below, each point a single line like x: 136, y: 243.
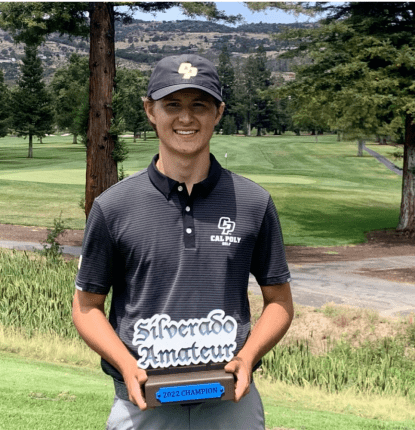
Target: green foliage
x: 81, y: 117
x: 69, y: 88
x: 360, y: 79
x: 52, y: 249
x: 31, y: 111
x: 31, y: 22
x: 36, y: 293
x: 379, y: 367
x: 227, y: 79
x: 4, y: 107
x: 229, y: 126
x: 121, y: 173
x: 131, y: 86
x: 253, y: 104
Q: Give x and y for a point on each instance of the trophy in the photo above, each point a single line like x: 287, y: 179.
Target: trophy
x: 185, y: 359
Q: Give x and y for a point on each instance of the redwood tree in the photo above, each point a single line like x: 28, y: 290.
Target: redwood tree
x: 101, y: 168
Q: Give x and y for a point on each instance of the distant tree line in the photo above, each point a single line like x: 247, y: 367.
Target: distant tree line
x: 249, y: 94
x: 33, y: 109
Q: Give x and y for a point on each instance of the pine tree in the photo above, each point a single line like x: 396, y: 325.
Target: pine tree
x: 258, y: 80
x: 4, y: 107
x: 227, y: 79
x: 69, y: 87
x: 131, y: 85
x: 32, y: 113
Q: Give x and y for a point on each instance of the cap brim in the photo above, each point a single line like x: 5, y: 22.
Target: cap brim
x: 159, y: 94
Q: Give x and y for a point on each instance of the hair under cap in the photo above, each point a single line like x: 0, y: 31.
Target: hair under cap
x: 184, y: 71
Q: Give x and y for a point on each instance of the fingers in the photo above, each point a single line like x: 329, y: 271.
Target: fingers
x: 243, y: 377
x: 135, y: 387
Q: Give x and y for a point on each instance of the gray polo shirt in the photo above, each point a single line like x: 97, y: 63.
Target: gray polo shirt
x: 179, y: 264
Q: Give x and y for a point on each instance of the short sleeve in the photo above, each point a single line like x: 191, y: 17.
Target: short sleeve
x: 269, y: 264
x: 96, y: 262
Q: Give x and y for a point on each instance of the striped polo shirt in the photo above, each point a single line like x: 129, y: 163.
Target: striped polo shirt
x: 179, y: 265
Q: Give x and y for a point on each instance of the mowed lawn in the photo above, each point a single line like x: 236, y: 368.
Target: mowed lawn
x: 324, y: 193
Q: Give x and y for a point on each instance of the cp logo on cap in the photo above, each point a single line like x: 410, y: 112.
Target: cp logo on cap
x: 187, y: 70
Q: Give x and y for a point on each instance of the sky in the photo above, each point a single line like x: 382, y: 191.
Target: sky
x: 231, y: 8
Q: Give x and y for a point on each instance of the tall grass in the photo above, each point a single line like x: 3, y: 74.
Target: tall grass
x: 379, y: 367
x: 36, y: 293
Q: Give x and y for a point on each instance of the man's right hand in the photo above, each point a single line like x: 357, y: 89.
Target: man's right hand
x: 134, y: 379
x: 88, y: 314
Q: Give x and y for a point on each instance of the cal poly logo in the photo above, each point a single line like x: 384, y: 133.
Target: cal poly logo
x: 227, y: 226
x: 187, y: 70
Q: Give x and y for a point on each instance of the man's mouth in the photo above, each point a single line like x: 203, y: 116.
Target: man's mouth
x: 186, y: 132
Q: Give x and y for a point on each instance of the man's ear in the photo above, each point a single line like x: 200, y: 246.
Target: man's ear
x: 219, y: 113
x: 149, y: 108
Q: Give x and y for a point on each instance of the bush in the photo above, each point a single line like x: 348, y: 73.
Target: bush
x: 229, y: 126
x: 52, y: 249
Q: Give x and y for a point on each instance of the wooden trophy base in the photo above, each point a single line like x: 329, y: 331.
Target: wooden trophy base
x: 190, y: 384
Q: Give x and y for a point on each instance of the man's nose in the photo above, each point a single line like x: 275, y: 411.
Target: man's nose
x: 186, y: 115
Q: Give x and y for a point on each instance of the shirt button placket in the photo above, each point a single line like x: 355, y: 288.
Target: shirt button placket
x: 189, y: 227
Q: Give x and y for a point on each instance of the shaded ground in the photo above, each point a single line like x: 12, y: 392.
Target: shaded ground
x: 386, y: 243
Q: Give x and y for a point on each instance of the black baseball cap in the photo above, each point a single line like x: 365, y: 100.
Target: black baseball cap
x: 184, y: 71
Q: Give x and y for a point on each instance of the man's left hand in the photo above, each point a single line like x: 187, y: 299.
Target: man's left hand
x: 243, y: 376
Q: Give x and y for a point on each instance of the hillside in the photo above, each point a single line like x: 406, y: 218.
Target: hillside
x: 140, y: 44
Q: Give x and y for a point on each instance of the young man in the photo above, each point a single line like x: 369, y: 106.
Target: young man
x: 177, y: 242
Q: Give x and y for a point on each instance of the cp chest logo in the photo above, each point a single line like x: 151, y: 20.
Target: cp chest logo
x: 227, y: 226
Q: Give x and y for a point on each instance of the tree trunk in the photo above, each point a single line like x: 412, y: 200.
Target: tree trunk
x: 145, y: 135
x: 101, y: 169
x: 407, y: 215
x: 75, y: 139
x: 30, y: 154
x: 360, y: 147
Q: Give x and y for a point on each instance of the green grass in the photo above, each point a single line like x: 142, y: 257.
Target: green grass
x: 38, y: 396
x: 324, y: 193
x: 388, y: 152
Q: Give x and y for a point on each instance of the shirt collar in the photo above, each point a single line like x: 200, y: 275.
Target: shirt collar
x: 166, y: 185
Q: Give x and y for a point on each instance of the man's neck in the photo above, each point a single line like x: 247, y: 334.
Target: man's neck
x: 190, y: 170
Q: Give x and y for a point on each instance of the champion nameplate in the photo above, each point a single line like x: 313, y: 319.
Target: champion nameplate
x: 190, y: 392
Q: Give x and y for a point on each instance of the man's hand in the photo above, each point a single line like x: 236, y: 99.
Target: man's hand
x: 243, y: 377
x: 134, y: 379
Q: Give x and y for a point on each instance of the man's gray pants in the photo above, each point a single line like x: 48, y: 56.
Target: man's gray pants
x: 247, y: 414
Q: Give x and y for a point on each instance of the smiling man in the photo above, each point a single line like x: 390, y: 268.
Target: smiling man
x: 176, y: 242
